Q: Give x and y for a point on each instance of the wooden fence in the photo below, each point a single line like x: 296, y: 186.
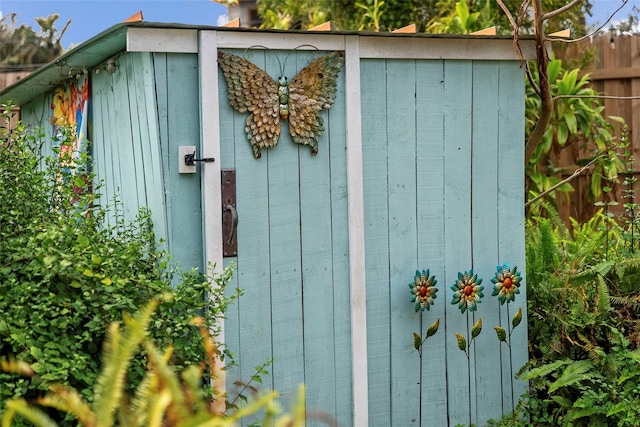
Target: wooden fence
x: 615, y: 72
x: 8, y: 78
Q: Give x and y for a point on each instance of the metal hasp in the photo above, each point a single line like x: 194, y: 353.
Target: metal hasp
x: 190, y: 159
x: 229, y: 213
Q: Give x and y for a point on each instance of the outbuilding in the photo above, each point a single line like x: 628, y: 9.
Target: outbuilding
x: 417, y: 184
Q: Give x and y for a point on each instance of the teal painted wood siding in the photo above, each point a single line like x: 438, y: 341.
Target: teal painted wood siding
x: 36, y: 116
x: 140, y: 114
x: 443, y: 191
x: 442, y: 186
x: 292, y: 258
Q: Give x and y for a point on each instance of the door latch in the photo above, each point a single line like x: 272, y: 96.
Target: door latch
x: 190, y: 159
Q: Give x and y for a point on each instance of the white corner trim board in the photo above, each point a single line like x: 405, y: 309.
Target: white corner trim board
x: 357, y: 270
x: 210, y: 171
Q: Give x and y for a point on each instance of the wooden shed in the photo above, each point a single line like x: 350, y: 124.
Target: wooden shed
x: 420, y: 167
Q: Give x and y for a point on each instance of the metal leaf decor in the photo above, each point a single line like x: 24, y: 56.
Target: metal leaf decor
x: 252, y: 90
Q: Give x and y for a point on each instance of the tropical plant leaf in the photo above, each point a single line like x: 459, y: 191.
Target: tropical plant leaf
x: 574, y: 373
x: 544, y: 370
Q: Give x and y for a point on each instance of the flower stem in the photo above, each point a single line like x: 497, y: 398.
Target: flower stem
x: 468, y: 353
x: 510, y: 355
x: 420, y: 361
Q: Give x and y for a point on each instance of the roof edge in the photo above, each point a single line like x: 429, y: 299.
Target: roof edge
x: 113, y: 40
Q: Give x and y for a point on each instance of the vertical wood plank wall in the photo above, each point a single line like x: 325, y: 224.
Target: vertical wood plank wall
x: 177, y: 103
x: 443, y: 190
x: 36, y: 114
x: 441, y: 174
x: 140, y: 115
x: 292, y: 258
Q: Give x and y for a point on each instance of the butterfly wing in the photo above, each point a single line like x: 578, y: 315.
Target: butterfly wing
x: 313, y: 89
x: 253, y: 90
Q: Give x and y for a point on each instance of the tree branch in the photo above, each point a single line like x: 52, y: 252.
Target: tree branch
x: 560, y: 10
x: 598, y: 97
x: 506, y: 11
x: 594, y: 32
x: 546, y: 100
x: 571, y: 177
x: 515, y: 25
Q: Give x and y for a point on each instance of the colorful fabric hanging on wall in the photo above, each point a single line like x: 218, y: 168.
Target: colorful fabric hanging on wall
x: 69, y: 108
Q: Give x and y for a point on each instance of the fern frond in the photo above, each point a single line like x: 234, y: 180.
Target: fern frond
x: 604, y: 301
x: 544, y: 370
x: 20, y: 407
x: 158, y: 407
x: 574, y: 414
x: 254, y: 406
x: 168, y: 381
x: 632, y: 302
x: 192, y: 380
x: 68, y: 400
x: 574, y: 373
x: 19, y: 367
x: 127, y: 417
x: 562, y: 401
x: 548, y: 245
x: 139, y: 406
x: 593, y: 350
x: 118, y: 352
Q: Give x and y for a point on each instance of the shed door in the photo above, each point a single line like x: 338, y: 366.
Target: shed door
x: 292, y: 258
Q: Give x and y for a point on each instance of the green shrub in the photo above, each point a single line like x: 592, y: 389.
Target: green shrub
x: 163, y: 398
x: 584, y: 323
x: 65, y: 276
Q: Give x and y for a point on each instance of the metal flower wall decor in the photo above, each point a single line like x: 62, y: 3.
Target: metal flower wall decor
x: 506, y: 283
x: 423, y: 290
x: 300, y: 101
x: 467, y: 292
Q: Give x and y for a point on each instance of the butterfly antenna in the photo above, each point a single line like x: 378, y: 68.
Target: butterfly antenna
x: 298, y: 47
x: 265, y: 48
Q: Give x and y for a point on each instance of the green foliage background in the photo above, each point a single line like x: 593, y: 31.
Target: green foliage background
x: 65, y: 275
x: 21, y: 45
x: 584, y: 322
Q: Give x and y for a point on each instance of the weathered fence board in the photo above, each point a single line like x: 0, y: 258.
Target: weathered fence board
x: 615, y: 72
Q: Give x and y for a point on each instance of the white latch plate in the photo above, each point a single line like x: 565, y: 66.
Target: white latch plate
x: 183, y: 150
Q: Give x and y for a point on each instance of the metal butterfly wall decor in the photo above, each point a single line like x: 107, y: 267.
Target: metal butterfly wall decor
x: 300, y: 101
